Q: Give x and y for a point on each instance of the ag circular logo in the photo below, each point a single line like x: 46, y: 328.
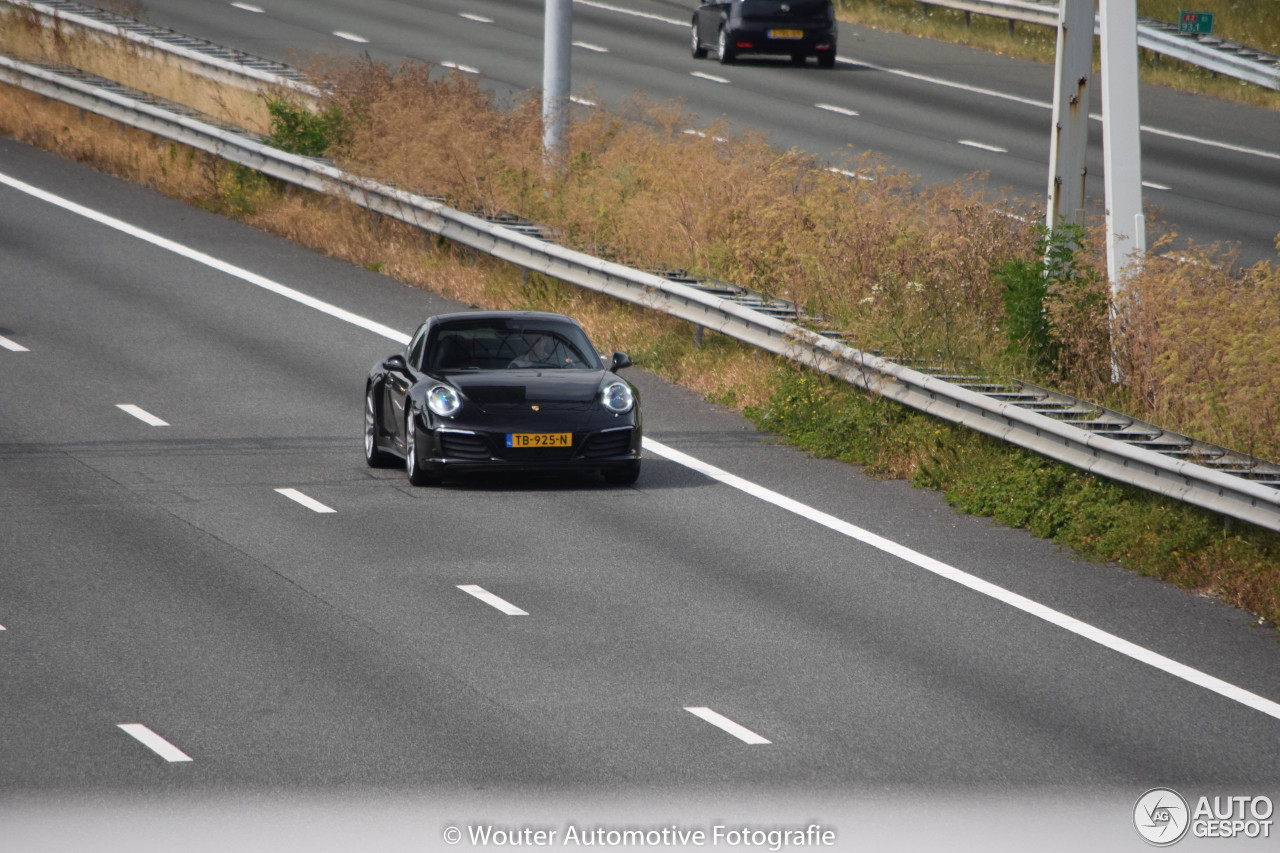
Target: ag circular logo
x: 1161, y: 817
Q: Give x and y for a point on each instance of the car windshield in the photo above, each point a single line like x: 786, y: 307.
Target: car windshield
x: 504, y: 345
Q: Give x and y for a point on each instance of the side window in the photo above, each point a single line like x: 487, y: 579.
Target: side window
x: 415, y: 347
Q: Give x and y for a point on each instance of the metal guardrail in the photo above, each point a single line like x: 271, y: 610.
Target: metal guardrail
x: 1018, y: 414
x: 1160, y: 37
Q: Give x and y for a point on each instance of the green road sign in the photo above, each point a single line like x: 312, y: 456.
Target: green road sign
x: 1195, y: 22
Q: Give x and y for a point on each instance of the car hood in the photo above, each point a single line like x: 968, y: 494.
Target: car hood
x: 495, y: 387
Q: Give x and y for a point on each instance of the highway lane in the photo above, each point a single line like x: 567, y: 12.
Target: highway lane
x: 155, y: 575
x: 1209, y: 165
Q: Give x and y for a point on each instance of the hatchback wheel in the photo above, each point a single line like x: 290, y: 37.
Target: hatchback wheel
x: 695, y: 43
x: 723, y: 52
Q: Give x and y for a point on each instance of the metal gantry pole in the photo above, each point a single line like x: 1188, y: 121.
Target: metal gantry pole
x: 1069, y: 141
x: 1121, y: 151
x: 556, y: 46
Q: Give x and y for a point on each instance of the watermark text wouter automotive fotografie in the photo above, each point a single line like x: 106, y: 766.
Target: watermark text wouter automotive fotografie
x: 1163, y: 817
x: 727, y: 836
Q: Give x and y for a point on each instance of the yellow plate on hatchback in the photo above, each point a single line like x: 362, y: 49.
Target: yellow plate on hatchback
x: 786, y: 34
x: 539, y: 439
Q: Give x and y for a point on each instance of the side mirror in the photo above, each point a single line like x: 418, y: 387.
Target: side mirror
x: 396, y: 363
x: 620, y: 360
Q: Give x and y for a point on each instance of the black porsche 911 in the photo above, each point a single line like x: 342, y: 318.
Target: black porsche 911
x: 502, y: 390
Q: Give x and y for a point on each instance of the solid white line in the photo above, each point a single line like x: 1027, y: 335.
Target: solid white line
x: 1152, y: 185
x: 12, y: 346
x: 466, y: 69
x: 595, y: 48
x: 1075, y: 626
x: 479, y: 19
x: 154, y: 742
x: 632, y: 12
x: 1068, y: 623
x: 492, y: 600
x: 248, y: 8
x: 832, y: 108
x: 308, y: 502
x: 720, y: 721
x: 351, y: 37
x: 141, y: 414
x: 983, y: 146
x: 703, y: 76
x: 209, y: 261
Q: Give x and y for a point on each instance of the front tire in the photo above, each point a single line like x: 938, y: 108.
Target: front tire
x: 374, y: 456
x: 418, y: 476
x: 695, y: 43
x: 723, y: 52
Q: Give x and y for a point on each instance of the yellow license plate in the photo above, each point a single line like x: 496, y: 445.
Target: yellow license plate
x: 540, y: 439
x: 786, y: 34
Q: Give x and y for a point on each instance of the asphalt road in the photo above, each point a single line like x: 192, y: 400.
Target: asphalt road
x: 326, y: 676
x: 940, y: 111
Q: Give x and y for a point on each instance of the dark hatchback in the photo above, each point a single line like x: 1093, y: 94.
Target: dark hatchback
x: 502, y: 390
x: 795, y: 28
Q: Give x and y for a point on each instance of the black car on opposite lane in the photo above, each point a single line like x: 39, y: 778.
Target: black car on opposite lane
x: 795, y: 28
x: 502, y: 390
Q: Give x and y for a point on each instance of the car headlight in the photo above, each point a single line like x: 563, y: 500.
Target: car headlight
x: 443, y: 400
x: 617, y: 397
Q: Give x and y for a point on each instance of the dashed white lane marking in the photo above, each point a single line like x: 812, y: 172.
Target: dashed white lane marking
x: 351, y: 37
x: 465, y: 69
x: 1152, y: 185
x: 832, y: 108
x: 154, y: 742
x: 492, y: 600
x: 722, y: 722
x: 582, y: 101
x: 248, y: 8
x: 982, y: 145
x: 1031, y: 102
x: 849, y: 174
x: 1075, y: 626
x: 479, y: 19
x: 703, y: 76
x: 937, y: 567
x: 309, y: 502
x: 12, y: 346
x: 632, y: 13
x: 141, y: 414
x: 594, y: 48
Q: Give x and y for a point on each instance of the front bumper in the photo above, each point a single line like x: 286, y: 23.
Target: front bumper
x: 456, y: 449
